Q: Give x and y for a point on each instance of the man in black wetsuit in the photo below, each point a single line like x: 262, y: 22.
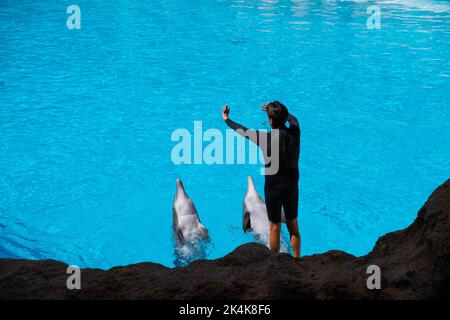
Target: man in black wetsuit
x: 281, y: 185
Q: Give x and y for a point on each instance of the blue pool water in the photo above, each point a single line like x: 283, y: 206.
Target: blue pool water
x: 86, y: 118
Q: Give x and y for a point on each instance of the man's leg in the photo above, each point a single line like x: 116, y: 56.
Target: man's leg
x: 292, y: 226
x: 290, y: 204
x: 275, y: 232
x: 273, y: 203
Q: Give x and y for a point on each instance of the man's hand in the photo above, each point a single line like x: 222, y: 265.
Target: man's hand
x: 225, y: 112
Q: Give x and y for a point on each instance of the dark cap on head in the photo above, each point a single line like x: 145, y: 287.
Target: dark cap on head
x: 278, y: 113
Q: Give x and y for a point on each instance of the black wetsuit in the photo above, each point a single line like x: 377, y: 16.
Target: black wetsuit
x: 281, y: 188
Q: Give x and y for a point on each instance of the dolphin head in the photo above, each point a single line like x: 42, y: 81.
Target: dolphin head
x: 180, y: 189
x: 251, y: 193
x: 251, y: 190
x: 251, y: 186
x: 186, y: 223
x: 255, y: 213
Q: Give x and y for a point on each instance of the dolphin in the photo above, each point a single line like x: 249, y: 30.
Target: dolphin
x: 186, y: 222
x: 255, y: 217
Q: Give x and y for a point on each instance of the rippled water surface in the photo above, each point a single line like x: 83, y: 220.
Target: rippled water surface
x: 86, y: 118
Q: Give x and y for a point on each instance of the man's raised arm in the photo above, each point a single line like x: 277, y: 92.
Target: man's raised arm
x: 253, y: 135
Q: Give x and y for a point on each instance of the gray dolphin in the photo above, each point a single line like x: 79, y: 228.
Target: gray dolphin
x: 186, y: 223
x: 255, y: 214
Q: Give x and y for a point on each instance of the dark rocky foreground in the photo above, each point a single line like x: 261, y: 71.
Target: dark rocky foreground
x: 415, y: 264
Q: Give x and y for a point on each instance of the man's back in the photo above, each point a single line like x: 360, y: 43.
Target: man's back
x: 289, y: 153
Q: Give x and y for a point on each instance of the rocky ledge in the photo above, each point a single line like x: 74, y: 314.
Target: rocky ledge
x: 414, y: 264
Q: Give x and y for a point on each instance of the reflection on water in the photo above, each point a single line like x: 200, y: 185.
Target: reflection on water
x: 299, y: 12
x: 191, y: 250
x: 419, y: 5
